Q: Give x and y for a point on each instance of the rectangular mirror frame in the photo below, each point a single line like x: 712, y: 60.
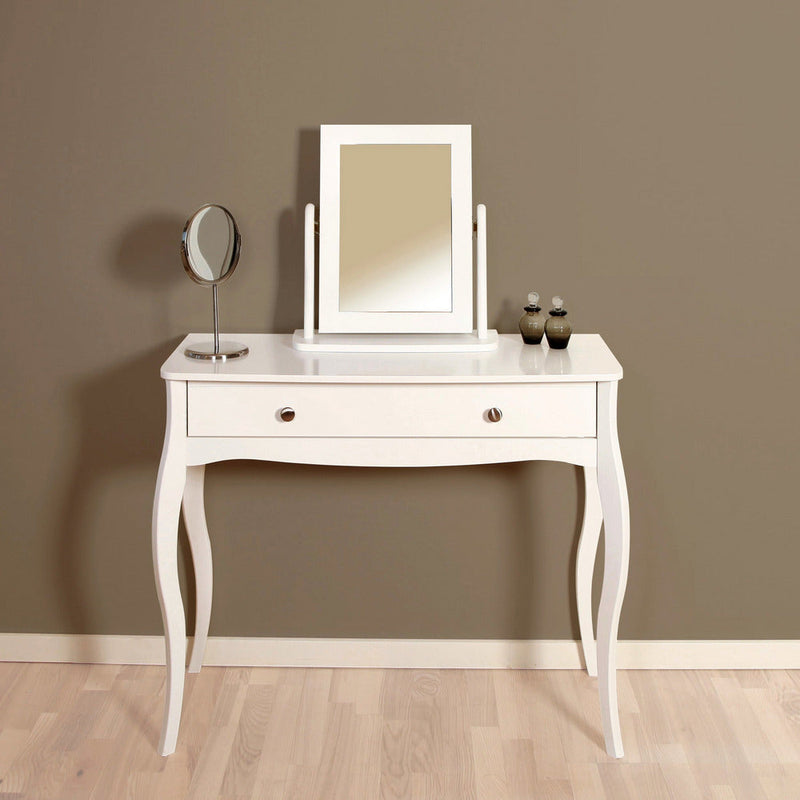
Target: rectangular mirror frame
x: 460, y: 318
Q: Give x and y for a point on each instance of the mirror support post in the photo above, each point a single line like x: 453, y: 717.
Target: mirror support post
x: 308, y: 286
x: 480, y: 276
x: 216, y: 318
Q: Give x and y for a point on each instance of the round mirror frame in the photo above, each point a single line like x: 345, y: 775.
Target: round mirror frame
x: 237, y: 245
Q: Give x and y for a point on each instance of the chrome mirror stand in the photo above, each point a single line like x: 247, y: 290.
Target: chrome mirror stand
x: 210, y: 248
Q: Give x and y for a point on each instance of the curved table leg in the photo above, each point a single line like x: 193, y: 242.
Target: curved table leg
x: 584, y: 566
x: 166, y: 508
x: 616, y: 517
x: 194, y: 517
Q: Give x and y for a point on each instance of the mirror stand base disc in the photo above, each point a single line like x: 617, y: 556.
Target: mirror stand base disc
x: 227, y: 351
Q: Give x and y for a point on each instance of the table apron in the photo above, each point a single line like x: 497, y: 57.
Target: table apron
x: 391, y: 451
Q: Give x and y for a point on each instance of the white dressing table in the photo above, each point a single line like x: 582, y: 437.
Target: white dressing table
x: 518, y: 403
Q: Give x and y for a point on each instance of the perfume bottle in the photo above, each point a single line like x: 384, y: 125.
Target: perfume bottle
x: 558, y: 329
x: 531, y: 326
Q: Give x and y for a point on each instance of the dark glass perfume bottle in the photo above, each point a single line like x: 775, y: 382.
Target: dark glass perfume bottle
x: 558, y: 327
x: 531, y: 326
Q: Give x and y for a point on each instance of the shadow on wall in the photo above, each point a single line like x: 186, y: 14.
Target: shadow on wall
x: 146, y: 256
x: 507, y: 319
x: 120, y: 411
x: 121, y: 414
x: 522, y: 595
x: 288, y: 314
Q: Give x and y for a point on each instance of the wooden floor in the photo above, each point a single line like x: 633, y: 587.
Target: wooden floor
x: 90, y: 731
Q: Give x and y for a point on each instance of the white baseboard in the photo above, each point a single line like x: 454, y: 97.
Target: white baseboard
x: 408, y: 653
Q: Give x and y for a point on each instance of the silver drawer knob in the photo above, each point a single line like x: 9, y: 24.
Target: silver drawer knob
x: 494, y: 414
x: 287, y: 414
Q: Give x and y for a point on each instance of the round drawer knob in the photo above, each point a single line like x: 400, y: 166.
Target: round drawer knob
x: 287, y: 414
x: 494, y: 414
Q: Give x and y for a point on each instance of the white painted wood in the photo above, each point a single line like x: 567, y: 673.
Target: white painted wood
x: 386, y: 410
x: 661, y: 654
x: 396, y: 343
x: 331, y: 319
x: 308, y: 277
x: 166, y: 508
x: 194, y: 518
x: 391, y: 452
x: 584, y: 565
x: 481, y: 302
x: 616, y: 518
x: 273, y: 359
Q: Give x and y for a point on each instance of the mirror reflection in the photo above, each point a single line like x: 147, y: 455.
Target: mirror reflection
x: 210, y: 244
x: 395, y: 228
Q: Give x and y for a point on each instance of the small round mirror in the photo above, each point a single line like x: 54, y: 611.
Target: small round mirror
x: 210, y: 245
x: 210, y: 248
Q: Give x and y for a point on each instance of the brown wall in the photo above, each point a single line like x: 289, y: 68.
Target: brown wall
x: 639, y: 158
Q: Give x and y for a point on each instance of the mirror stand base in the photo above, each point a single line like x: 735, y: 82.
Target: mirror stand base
x: 396, y: 342
x: 226, y: 351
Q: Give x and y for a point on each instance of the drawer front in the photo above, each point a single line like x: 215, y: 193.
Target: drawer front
x: 414, y: 410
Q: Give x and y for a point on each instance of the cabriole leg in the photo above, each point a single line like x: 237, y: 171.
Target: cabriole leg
x: 584, y: 566
x: 194, y: 517
x: 616, y: 518
x: 166, y: 508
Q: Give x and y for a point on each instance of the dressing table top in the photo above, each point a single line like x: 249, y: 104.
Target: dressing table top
x: 272, y: 358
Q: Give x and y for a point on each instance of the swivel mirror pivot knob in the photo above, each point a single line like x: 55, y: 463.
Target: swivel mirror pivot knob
x: 287, y: 414
x: 494, y: 414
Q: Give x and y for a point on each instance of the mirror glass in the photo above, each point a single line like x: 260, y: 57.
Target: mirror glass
x: 210, y: 245
x: 395, y: 255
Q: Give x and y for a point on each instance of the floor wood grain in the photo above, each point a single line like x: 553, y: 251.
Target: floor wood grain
x: 75, y: 731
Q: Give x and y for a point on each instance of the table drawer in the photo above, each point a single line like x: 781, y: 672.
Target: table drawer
x: 253, y: 409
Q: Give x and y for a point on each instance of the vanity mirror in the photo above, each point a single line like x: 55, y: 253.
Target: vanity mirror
x: 395, y: 243
x: 210, y: 248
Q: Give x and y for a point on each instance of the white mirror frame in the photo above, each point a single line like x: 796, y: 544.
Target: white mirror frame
x: 460, y: 318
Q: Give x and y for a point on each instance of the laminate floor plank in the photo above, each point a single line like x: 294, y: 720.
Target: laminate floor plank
x: 101, y: 677
x: 33, y: 762
x: 11, y: 673
x: 336, y: 775
x: 312, y: 718
x: 272, y: 771
x: 367, y: 775
x: 361, y: 687
x: 586, y: 783
x: 482, y: 701
x: 396, y: 778
x: 778, y: 727
x: 213, y: 760
x: 240, y: 775
x: 491, y: 781
x: 578, y: 717
x: 779, y: 781
x: 88, y: 762
x: 79, y: 732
